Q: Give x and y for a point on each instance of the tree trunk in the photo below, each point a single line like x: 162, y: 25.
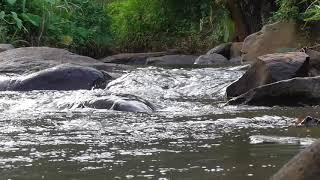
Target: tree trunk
x: 250, y: 15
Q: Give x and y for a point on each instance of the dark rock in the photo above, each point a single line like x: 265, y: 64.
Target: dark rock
x: 291, y: 92
x: 128, y: 103
x: 62, y: 77
x: 172, y: 60
x: 304, y: 166
x: 33, y: 59
x: 271, y: 68
x: 134, y: 58
x: 314, y: 62
x: 223, y: 49
x: 309, y: 122
x: 5, y: 47
x: 211, y: 59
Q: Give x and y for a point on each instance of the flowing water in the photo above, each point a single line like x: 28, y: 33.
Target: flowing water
x: 192, y: 135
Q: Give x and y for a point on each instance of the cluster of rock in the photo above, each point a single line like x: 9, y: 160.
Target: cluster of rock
x: 224, y: 54
x: 282, y: 72
x: 286, y: 78
x: 43, y: 68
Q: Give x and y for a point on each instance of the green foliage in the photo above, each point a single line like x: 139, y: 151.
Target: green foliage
x: 303, y: 10
x: 129, y: 25
x: 62, y: 23
x: 313, y: 11
x: 160, y: 24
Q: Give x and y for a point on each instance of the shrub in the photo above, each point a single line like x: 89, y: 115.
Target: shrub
x: 61, y: 23
x: 140, y: 25
x: 305, y: 10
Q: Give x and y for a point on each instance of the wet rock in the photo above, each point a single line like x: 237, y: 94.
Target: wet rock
x: 128, y: 103
x: 314, y: 62
x: 5, y: 47
x: 62, y: 77
x: 33, y: 59
x: 271, y: 38
x: 211, y: 59
x: 309, y: 122
x: 223, y: 49
x: 271, y: 68
x: 172, y: 60
x: 134, y: 58
x: 291, y: 92
x: 304, y: 166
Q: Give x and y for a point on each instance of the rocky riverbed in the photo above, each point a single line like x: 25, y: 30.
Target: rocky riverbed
x: 161, y: 115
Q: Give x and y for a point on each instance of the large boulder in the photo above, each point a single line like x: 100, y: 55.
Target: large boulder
x: 134, y: 58
x: 33, y: 59
x: 291, y: 92
x: 304, y: 166
x: 223, y: 49
x: 172, y: 60
x: 211, y: 59
x: 5, y: 47
x: 62, y: 77
x: 271, y: 68
x: 128, y: 103
x: 272, y: 38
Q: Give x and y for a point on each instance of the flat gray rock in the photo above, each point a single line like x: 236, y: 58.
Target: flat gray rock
x: 33, y: 59
x: 133, y: 58
x: 172, y: 60
x: 5, y: 47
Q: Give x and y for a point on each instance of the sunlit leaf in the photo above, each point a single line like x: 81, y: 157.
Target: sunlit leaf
x: 32, y: 18
x: 11, y: 2
x: 18, y: 21
x: 2, y: 14
x: 66, y: 40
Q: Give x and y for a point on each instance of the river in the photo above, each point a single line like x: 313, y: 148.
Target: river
x: 192, y: 135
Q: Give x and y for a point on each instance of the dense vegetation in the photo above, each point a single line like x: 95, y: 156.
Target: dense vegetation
x: 303, y: 10
x: 94, y: 26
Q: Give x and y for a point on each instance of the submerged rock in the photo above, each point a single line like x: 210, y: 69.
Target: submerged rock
x: 172, y: 60
x: 304, y: 166
x: 128, y: 103
x: 271, y: 68
x: 33, y: 59
x: 309, y: 122
x: 211, y: 59
x: 134, y: 58
x: 5, y: 47
x: 292, y: 92
x: 62, y: 77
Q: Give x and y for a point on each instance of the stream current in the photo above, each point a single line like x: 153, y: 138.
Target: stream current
x: 192, y: 135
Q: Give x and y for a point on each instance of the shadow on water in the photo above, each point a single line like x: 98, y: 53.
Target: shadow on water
x: 191, y: 136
